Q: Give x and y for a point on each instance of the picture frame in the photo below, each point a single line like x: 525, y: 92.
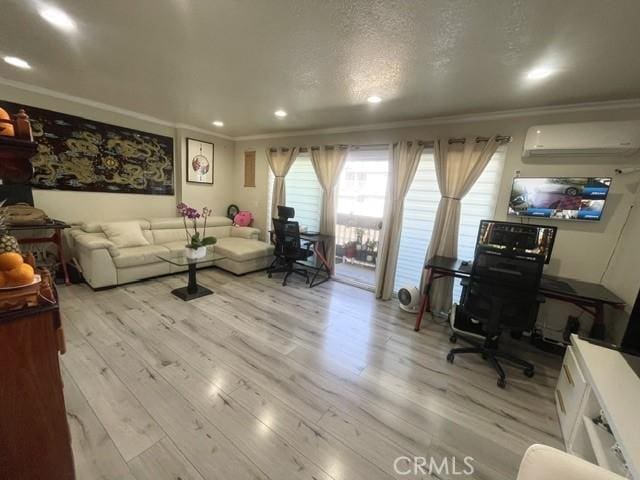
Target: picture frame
x: 199, y: 161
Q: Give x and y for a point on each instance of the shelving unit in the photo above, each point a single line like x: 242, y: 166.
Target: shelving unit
x: 600, y: 381
x: 14, y: 159
x: 602, y: 443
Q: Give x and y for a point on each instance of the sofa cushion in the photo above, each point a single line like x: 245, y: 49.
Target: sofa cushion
x: 175, y: 247
x: 178, y: 222
x: 130, y: 257
x: 243, y: 249
x: 96, y: 227
x: 162, y: 236
x: 124, y: 234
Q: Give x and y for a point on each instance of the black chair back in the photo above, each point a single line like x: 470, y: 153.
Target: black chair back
x: 503, y: 290
x: 287, y: 237
x: 285, y: 213
x: 517, y: 272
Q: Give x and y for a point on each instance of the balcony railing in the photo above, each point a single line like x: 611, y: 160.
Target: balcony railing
x: 357, y: 239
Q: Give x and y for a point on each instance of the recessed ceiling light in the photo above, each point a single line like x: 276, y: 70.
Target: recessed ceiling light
x: 17, y: 62
x: 539, y: 73
x: 58, y: 18
x: 218, y: 123
x: 280, y: 113
x: 374, y: 99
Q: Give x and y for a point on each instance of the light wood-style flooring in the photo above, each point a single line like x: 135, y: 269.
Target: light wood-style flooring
x: 262, y: 381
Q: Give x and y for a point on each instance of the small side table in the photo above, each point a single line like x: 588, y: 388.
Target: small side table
x: 192, y: 290
x: 57, y: 226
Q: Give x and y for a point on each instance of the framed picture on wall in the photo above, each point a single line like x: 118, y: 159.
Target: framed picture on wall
x: 199, y: 161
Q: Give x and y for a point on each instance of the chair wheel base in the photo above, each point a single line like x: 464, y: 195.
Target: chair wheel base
x: 529, y: 372
x: 453, y: 339
x: 450, y: 357
x: 502, y: 383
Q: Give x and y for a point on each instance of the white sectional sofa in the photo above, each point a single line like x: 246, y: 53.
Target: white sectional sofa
x: 105, y: 265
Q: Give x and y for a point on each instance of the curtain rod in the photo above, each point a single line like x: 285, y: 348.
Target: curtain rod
x: 429, y: 143
x: 499, y: 138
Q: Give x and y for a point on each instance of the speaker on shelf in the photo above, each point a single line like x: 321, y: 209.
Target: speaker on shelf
x: 631, y: 339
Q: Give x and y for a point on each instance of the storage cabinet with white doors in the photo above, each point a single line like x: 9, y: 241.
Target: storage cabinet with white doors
x: 596, y: 398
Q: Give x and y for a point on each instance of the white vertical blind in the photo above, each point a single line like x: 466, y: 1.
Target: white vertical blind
x: 304, y: 192
x: 420, y: 208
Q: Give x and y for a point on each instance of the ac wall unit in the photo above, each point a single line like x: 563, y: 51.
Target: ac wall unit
x: 590, y: 138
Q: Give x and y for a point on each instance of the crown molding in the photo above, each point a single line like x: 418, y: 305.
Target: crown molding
x: 443, y: 120
x: 109, y: 108
x: 463, y: 118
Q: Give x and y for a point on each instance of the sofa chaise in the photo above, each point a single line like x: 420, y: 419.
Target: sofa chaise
x: 104, y: 264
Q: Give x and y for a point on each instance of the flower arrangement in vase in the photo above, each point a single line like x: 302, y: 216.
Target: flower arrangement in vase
x: 197, y: 241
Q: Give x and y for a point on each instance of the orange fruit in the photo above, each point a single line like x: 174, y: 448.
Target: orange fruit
x: 10, y: 260
x: 21, y: 275
x: 3, y: 280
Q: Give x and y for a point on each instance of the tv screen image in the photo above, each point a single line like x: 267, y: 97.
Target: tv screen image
x: 566, y: 198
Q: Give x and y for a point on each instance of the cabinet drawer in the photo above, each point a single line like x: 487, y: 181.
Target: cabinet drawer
x: 570, y: 392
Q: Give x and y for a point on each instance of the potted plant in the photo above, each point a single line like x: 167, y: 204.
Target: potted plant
x: 197, y: 241
x: 350, y: 249
x: 371, y: 247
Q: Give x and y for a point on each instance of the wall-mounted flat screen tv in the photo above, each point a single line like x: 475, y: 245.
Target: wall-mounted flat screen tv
x: 565, y: 198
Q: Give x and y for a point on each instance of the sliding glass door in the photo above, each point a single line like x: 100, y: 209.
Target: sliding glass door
x: 361, y: 198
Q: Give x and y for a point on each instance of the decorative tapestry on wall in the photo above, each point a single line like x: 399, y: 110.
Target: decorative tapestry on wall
x: 79, y: 154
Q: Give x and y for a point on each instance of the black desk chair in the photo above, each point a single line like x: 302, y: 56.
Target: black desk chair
x: 288, y: 250
x: 501, y: 294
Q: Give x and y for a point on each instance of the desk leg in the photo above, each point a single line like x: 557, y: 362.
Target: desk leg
x: 424, y: 305
x: 57, y: 239
x: 598, y: 329
x: 320, y: 250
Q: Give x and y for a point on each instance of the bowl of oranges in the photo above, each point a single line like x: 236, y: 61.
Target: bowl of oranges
x: 15, y: 273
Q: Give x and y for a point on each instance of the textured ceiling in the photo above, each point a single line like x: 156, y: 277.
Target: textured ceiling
x: 195, y: 61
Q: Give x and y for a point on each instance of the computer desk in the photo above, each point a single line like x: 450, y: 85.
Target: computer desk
x: 590, y: 297
x: 319, y: 243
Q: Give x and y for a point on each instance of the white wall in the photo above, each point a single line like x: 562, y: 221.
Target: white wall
x: 623, y: 275
x: 217, y: 196
x: 73, y: 206
x: 582, y: 250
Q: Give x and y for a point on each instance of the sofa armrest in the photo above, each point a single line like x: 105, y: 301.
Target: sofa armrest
x: 541, y: 461
x: 245, y: 232
x: 94, y: 242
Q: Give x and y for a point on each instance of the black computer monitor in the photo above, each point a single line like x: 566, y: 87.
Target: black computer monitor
x: 517, y: 238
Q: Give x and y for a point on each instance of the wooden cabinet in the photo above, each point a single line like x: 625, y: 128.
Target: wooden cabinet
x: 34, y: 435
x: 15, y: 166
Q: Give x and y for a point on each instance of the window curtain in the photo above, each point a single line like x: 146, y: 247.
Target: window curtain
x: 280, y: 161
x: 328, y: 162
x: 458, y: 166
x: 405, y: 157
